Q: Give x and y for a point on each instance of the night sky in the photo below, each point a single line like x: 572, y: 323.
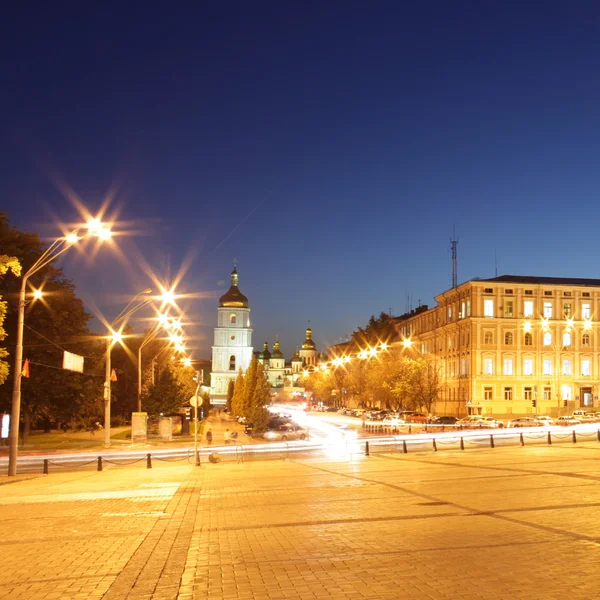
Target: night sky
x: 332, y: 148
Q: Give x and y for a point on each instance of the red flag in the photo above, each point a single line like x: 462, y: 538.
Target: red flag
x: 25, y: 370
x: 113, y: 375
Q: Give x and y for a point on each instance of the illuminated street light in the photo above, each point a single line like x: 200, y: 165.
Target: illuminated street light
x: 115, y: 337
x: 37, y: 294
x: 54, y: 250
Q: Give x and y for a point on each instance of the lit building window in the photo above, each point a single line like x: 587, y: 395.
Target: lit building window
x: 528, y: 366
x: 508, y: 308
x: 528, y: 308
x: 586, y: 312
x: 585, y: 367
x: 488, y: 307
x: 547, y: 366
x: 488, y: 366
x: 567, y: 309
x: 566, y: 339
x: 567, y: 392
x: 508, y: 366
x: 567, y: 367
x: 547, y: 339
x: 548, y: 310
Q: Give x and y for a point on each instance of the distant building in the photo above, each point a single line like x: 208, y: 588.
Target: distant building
x: 232, y: 348
x: 285, y: 374
x: 513, y: 345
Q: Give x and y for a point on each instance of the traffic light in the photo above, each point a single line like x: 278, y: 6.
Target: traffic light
x: 534, y: 403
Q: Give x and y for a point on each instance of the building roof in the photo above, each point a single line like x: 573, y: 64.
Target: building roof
x: 276, y: 350
x: 233, y: 297
x: 527, y: 279
x: 308, y: 343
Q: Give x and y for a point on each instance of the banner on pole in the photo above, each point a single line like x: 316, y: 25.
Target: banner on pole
x: 72, y: 362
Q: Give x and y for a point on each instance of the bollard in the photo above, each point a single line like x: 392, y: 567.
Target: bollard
x: 434, y: 445
x: 521, y: 439
x: 574, y: 437
x: 99, y: 463
x: 45, y: 466
x: 410, y: 429
x: 462, y: 444
x: 198, y: 458
x: 404, y: 448
x: 367, y: 448
x: 148, y: 461
x: 549, y: 439
x: 491, y: 441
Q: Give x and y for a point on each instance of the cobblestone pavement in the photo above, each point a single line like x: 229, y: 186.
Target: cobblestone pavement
x: 510, y: 523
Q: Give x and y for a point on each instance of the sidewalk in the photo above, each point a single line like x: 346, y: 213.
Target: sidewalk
x: 488, y: 525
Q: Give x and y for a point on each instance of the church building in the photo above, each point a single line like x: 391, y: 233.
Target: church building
x: 232, y: 346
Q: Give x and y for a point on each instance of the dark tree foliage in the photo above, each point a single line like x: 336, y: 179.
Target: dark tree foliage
x: 377, y: 331
x: 51, y: 396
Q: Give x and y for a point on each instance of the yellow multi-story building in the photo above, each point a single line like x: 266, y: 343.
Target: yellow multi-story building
x: 513, y: 345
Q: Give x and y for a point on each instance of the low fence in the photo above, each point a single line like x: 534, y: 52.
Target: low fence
x: 284, y: 450
x: 500, y: 437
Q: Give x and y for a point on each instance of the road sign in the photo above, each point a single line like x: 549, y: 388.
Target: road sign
x: 195, y: 399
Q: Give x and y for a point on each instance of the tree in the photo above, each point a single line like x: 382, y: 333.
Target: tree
x: 6, y: 263
x: 259, y: 415
x: 165, y: 397
x: 380, y: 330
x: 237, y: 400
x: 249, y: 385
x: 52, y: 325
x: 230, y: 392
x: 428, y: 384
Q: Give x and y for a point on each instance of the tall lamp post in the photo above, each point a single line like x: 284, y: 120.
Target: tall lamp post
x: 112, y: 338
x: 163, y: 321
x: 58, y: 247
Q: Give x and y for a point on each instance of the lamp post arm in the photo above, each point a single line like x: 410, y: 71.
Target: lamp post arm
x: 129, y: 309
x: 149, y: 337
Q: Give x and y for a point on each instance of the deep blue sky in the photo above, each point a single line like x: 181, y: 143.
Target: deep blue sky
x: 358, y: 135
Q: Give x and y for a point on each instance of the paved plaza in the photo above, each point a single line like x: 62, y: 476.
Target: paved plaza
x: 520, y: 523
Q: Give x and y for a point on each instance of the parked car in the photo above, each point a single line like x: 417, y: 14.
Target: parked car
x: 586, y: 417
x: 285, y: 432
x: 492, y: 423
x: 416, y: 417
x: 471, y: 421
x: 443, y: 420
x: 546, y: 420
x: 567, y: 420
x: 525, y: 422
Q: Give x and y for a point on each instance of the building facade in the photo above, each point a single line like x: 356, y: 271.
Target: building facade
x: 285, y: 374
x: 232, y: 348
x: 513, y: 345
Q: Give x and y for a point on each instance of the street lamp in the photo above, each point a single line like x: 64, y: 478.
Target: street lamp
x: 56, y: 248
x: 163, y: 321
x: 113, y: 337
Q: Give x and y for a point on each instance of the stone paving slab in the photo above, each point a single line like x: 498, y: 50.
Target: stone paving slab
x: 511, y: 523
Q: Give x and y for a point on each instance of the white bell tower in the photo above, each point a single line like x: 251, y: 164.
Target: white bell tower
x: 232, y: 346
